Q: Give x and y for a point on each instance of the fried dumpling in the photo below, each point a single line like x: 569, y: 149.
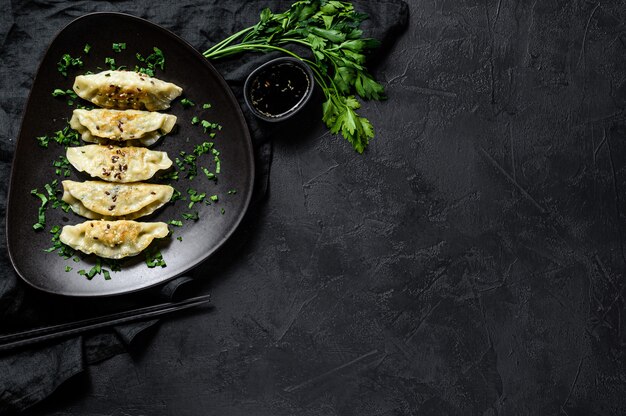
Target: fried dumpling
x: 130, y: 126
x: 126, y: 89
x: 104, y: 200
x: 118, y: 164
x: 112, y: 239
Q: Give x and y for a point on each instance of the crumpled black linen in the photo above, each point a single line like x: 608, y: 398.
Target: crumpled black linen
x: 26, y: 28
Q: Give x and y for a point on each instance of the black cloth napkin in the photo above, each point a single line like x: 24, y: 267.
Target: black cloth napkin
x: 26, y: 28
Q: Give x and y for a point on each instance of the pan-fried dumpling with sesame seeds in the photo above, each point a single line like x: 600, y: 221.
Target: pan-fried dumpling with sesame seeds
x: 105, y: 200
x: 126, y: 90
x: 118, y: 164
x: 112, y: 239
x: 128, y: 126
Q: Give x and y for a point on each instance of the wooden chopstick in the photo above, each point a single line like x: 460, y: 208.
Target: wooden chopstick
x: 34, y: 336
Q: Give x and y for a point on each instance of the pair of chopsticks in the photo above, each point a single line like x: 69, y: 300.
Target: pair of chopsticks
x: 35, y: 336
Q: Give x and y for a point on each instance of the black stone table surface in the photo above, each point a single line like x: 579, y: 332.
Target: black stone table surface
x: 470, y: 262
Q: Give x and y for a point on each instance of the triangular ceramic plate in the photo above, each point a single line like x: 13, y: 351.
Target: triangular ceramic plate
x: 33, y: 167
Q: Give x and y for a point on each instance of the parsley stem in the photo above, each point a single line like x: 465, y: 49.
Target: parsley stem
x: 231, y: 50
x: 218, y: 46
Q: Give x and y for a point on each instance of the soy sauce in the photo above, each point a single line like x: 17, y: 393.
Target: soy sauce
x: 278, y: 89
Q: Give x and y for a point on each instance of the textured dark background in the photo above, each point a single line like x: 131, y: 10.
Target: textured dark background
x: 471, y: 262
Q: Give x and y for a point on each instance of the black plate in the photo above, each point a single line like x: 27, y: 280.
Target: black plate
x: 44, y: 114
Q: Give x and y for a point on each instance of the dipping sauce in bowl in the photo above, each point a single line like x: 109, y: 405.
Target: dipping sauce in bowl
x: 278, y: 89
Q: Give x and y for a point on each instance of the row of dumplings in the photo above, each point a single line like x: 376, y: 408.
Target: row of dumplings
x: 129, y: 117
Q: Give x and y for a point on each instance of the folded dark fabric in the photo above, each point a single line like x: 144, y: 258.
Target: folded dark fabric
x: 27, y: 377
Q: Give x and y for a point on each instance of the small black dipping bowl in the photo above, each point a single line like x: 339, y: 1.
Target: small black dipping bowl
x: 278, y: 89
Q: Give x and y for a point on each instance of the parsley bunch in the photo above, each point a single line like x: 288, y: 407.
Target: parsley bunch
x: 330, y: 29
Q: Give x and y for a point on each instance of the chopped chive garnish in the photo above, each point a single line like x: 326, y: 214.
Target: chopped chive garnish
x: 68, y: 62
x: 176, y: 195
x: 118, y: 47
x: 65, y: 137
x: 203, y: 148
x: 61, y: 93
x: 210, y: 175
x: 174, y: 175
x: 41, y: 215
x: 218, y: 164
x: 154, y: 258
x: 110, y: 62
x: 194, y: 197
x: 152, y: 62
x: 191, y: 217
x: 206, y: 125
x: 187, y: 102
